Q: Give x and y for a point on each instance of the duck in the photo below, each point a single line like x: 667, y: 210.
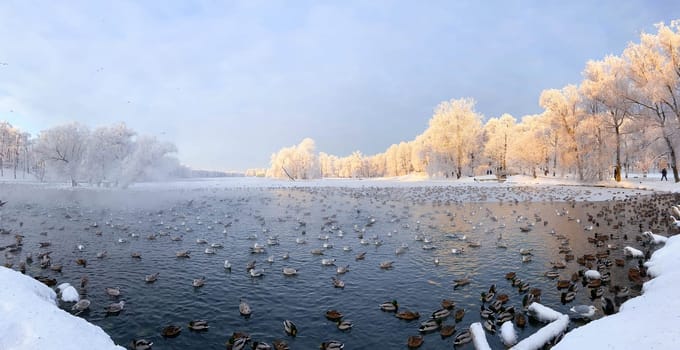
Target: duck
x: 238, y: 343
x: 136, y: 255
x: 82, y: 262
x: 182, y: 254
x: 463, y: 337
x: 489, y: 326
x: 261, y: 346
x: 332, y: 345
x: 390, y: 306
x: 342, y: 269
x: 487, y: 297
x: 447, y: 330
x: 290, y: 328
x: 198, y: 282
x: 344, y: 325
x: 430, y: 325
x: 198, y: 325
x: 415, y: 341
x: 256, y: 272
x: 227, y: 265
x: 113, y: 291
x: 408, y: 315
x: 608, y: 306
x: 244, y: 308
x: 385, y: 265
x: 151, y: 278
x: 280, y: 345
x: 460, y: 282
x: 171, y: 331
x: 510, y: 275
x: 140, y: 344
x: 596, y: 292
x: 485, y: 313
x: 360, y: 256
x: 520, y: 320
x: 327, y: 262
x: 81, y: 305
x: 441, y: 314
x: 448, y: 304
x: 459, y: 314
x: 115, y: 307
x: 503, y: 298
x: 333, y: 315
x: 567, y: 297
x: 338, y: 283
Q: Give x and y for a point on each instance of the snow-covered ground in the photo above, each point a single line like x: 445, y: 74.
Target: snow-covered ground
x: 30, y: 318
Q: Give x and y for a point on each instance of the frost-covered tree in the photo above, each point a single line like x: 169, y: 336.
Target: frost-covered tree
x: 148, y: 159
x: 296, y: 162
x: 454, y: 135
x: 498, y: 133
x: 531, y: 144
x: 108, y: 147
x: 63, y: 149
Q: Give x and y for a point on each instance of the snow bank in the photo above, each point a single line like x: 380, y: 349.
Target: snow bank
x: 31, y: 319
x: 593, y: 275
x: 479, y: 337
x: 543, y: 313
x: 508, y: 334
x: 649, y: 321
x: 654, y: 238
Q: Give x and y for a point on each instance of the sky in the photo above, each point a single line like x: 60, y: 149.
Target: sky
x: 231, y: 82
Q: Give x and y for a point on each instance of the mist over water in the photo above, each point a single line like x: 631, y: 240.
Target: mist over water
x: 393, y: 217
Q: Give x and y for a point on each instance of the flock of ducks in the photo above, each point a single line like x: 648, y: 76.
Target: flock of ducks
x: 593, y: 269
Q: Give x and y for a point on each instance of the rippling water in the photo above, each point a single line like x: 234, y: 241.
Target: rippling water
x: 415, y: 282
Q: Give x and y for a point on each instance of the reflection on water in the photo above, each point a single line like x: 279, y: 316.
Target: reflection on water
x: 370, y: 221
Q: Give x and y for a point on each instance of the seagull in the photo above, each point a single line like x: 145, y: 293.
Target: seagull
x: 583, y: 311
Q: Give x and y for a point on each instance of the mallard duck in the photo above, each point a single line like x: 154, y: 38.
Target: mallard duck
x: 182, y: 254
x: 198, y: 325
x: 505, y: 316
x: 415, y: 341
x: 338, y: 283
x: 332, y: 345
x: 487, y: 297
x: 596, y: 292
x: 238, y: 341
x: 441, y: 314
x: 510, y: 275
x: 115, y: 307
x: 463, y: 337
x: 447, y: 331
x: 495, y: 306
x: 333, y: 315
x: 485, y: 313
x: 171, y: 331
x: 360, y: 256
x: 290, y: 328
x: 280, y: 345
x: 429, y: 325
x: 460, y: 282
x: 344, y: 325
x: 503, y: 298
x: 198, y: 282
x: 520, y: 320
x: 136, y: 255
x: 448, y: 304
x: 390, y: 306
x: 102, y: 255
x: 261, y: 346
x: 342, y: 269
x: 82, y: 262
x: 140, y: 344
x: 459, y: 314
x: 607, y: 306
x: 408, y: 315
x: 113, y: 291
x: 489, y: 326
x: 244, y: 308
x: 256, y: 272
x: 151, y: 278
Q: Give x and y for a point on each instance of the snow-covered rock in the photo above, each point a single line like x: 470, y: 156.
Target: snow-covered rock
x: 632, y: 252
x: 508, y: 333
x: 31, y: 319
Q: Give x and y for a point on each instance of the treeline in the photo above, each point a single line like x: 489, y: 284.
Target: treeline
x: 110, y: 155
x: 623, y: 116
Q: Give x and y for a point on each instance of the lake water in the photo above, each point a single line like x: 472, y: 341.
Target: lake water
x: 394, y: 217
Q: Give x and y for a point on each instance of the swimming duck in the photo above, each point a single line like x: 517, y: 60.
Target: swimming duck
x: 290, y: 271
x: 386, y: 265
x: 114, y: 292
x: 198, y: 282
x: 344, y: 325
x: 327, y: 262
x: 429, y: 325
x: 342, y: 269
x: 332, y: 345
x: 338, y: 283
x: 408, y: 315
x: 485, y: 313
x: 102, y: 254
x: 520, y: 320
x: 486, y: 297
x: 256, y: 272
x: 82, y: 262
x: 140, y: 344
x: 136, y: 255
x: 447, y: 331
x: 280, y: 345
x: 360, y: 256
x: 115, y: 307
x: 459, y: 314
x: 441, y: 314
x: 198, y: 325
x: 151, y: 278
x: 290, y: 328
x: 390, y: 306
x: 81, y: 305
x: 567, y: 297
x: 596, y: 293
x: 463, y: 337
x: 227, y: 265
x: 244, y: 308
x: 503, y: 298
x: 460, y: 282
x: 182, y: 254
x: 171, y: 331
x: 238, y: 341
x: 489, y: 326
x: 510, y: 275
x: 261, y: 346
x: 448, y: 304
x: 607, y: 306
x: 415, y: 341
x: 333, y: 315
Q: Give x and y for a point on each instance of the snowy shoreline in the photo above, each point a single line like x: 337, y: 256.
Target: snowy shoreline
x: 649, y: 321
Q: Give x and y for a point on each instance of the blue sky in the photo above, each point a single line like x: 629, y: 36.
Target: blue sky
x: 231, y: 82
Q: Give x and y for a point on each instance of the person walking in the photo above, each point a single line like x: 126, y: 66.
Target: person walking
x: 664, y: 172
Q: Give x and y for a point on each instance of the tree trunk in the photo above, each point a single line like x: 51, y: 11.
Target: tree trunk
x: 618, y: 153
x: 671, y: 150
